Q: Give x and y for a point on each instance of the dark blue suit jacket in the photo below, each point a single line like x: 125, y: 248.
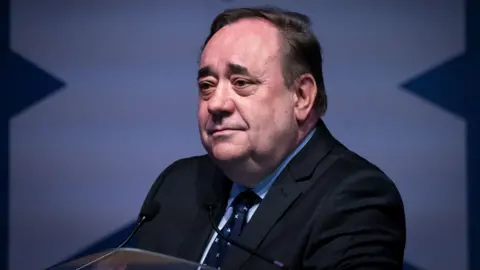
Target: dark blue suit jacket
x: 329, y: 209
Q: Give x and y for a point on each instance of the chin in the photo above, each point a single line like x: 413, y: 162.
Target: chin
x: 227, y: 152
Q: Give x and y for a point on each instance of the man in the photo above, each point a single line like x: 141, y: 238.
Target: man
x: 274, y: 179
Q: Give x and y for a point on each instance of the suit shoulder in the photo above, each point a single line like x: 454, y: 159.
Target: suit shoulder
x: 353, y: 161
x: 360, y: 220
x: 357, y: 185
x: 180, y: 169
x: 187, y: 165
x: 355, y: 170
x: 187, y: 161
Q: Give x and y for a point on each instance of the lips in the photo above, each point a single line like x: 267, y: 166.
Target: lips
x: 222, y: 130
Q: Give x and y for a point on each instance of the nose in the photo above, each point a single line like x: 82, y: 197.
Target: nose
x: 220, y: 104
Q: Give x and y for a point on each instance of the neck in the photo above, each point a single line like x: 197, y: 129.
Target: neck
x: 247, y: 178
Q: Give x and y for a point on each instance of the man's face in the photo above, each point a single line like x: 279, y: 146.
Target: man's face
x: 245, y: 112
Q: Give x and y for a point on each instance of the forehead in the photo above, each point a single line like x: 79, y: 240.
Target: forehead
x: 248, y: 42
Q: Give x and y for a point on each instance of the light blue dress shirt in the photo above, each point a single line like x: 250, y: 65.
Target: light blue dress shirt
x: 260, y: 189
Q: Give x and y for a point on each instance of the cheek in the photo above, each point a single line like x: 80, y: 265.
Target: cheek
x: 202, y: 115
x: 261, y: 115
x: 202, y: 109
x: 277, y: 115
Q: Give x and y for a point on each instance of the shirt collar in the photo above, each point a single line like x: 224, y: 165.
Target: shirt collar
x: 262, y: 188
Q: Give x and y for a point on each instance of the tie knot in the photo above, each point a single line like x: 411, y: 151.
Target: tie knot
x: 246, y: 199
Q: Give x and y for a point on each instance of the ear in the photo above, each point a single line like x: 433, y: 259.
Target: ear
x: 305, y: 93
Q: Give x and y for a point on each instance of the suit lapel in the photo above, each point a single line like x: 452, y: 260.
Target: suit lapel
x: 195, y: 238
x: 289, y: 186
x: 271, y: 209
x: 212, y: 188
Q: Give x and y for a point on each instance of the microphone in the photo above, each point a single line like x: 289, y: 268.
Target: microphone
x: 210, y: 207
x: 147, y: 213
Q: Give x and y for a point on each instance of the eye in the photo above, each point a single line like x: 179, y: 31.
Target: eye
x: 204, y: 86
x: 241, y: 83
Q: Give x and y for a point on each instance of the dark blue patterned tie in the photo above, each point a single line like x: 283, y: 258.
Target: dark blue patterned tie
x: 233, y: 228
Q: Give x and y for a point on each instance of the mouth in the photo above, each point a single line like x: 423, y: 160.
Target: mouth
x: 222, y: 132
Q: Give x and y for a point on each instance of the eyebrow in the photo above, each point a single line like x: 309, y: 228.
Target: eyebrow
x: 233, y: 69
x: 205, y: 72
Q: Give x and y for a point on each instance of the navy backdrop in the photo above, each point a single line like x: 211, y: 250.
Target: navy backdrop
x: 101, y: 96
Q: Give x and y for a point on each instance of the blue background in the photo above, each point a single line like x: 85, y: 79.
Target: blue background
x: 69, y: 137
